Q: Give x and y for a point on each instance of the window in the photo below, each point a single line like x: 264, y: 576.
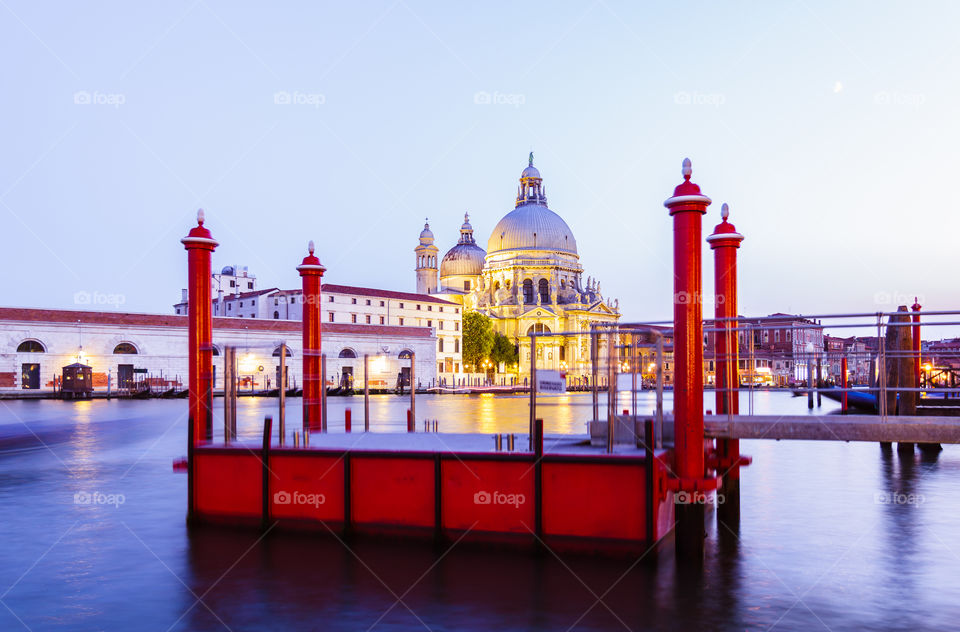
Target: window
x: 233, y: 284
x: 429, y: 308
x: 528, y: 291
x: 253, y: 302
x: 348, y: 353
x: 368, y: 319
x: 276, y: 301
x: 382, y: 320
x: 31, y: 346
x: 418, y: 307
x: 440, y: 345
x: 456, y: 310
x: 353, y: 301
x: 381, y: 303
x: 544, y: 288
x: 401, y: 322
x: 353, y: 318
x: 178, y: 310
x: 368, y: 301
x: 466, y: 286
x: 329, y: 299
x: 241, y: 303
x: 441, y: 308
x: 276, y: 352
x: 429, y: 323
x: 538, y: 328
x: 788, y: 335
x: 249, y: 285
x: 330, y: 317
x: 456, y: 345
x: 276, y: 315
x: 440, y: 324
x: 125, y: 348
x: 456, y: 326
x: 776, y: 335
x: 406, y: 354
x: 439, y: 367
x: 401, y: 305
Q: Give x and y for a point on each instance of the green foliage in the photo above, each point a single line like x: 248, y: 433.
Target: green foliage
x: 477, y: 338
x: 503, y: 350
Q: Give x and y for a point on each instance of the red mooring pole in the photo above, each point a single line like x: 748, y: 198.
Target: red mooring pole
x: 200, y: 245
x: 724, y: 242
x: 916, y: 341
x: 311, y: 270
x: 843, y: 384
x: 687, y: 207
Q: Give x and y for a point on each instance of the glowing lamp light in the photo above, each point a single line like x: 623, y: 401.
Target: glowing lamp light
x: 248, y: 363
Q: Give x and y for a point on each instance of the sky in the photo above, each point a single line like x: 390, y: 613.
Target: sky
x: 829, y: 128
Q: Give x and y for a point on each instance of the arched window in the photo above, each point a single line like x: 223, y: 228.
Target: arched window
x: 125, y: 348
x: 214, y: 350
x: 528, y: 291
x: 544, y: 287
x: 405, y: 354
x: 496, y: 285
x: 538, y: 328
x: 276, y: 315
x: 348, y: 353
x: 31, y: 346
x: 289, y: 354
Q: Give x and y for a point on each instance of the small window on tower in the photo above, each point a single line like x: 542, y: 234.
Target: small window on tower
x: 466, y: 286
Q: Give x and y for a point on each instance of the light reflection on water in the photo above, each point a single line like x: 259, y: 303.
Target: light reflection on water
x: 819, y: 523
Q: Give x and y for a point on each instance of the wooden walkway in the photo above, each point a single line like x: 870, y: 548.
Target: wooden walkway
x: 925, y: 429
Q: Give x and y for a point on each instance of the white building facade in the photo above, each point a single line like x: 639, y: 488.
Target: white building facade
x: 35, y: 345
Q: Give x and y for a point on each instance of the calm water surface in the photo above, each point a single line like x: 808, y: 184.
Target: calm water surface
x: 834, y: 536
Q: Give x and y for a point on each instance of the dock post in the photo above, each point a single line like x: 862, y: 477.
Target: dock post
x: 282, y: 393
x: 905, y: 372
x: 687, y: 207
x: 200, y: 245
x: 366, y: 393
x: 844, y: 385
x: 594, y: 371
x: 916, y: 307
x: 810, y: 375
x: 725, y: 241
x: 347, y: 420
x: 612, y: 360
x: 533, y: 389
x: 323, y: 392
x: 819, y: 381
x: 413, y: 388
x: 311, y: 271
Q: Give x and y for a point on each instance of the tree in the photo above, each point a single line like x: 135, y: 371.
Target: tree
x: 503, y: 350
x: 477, y: 338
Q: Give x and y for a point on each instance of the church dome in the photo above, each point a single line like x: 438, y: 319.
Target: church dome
x: 426, y: 235
x: 531, y: 225
x: 466, y: 258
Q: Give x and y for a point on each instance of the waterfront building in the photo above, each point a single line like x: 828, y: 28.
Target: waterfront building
x: 529, y: 279
x: 129, y: 349
x: 348, y: 304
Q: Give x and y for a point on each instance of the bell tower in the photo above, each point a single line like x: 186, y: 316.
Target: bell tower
x: 426, y: 262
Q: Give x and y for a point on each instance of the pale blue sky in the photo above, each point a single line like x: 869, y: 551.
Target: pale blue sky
x: 832, y: 132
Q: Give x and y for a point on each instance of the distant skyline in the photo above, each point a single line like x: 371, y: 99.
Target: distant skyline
x: 830, y: 130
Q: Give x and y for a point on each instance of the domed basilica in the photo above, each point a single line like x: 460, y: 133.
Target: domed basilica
x: 529, y: 279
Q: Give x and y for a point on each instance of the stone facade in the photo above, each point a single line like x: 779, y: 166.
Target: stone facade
x: 156, y: 345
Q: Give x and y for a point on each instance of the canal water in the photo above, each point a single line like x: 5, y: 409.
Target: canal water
x: 834, y: 536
